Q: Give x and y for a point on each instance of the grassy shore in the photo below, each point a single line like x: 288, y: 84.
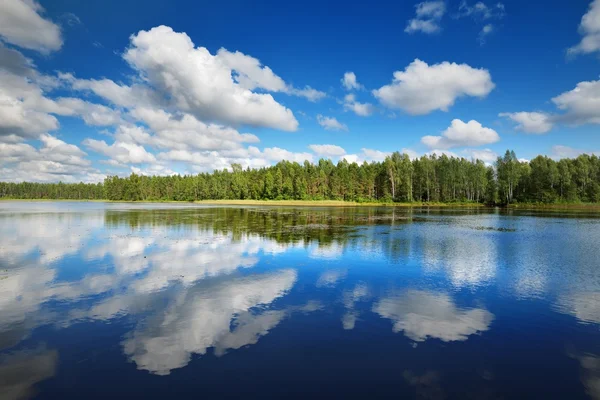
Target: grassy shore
x: 556, y: 206
x: 330, y: 203
x: 336, y: 203
x: 294, y: 203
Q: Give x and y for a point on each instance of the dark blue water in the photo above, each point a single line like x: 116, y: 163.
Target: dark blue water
x: 160, y: 301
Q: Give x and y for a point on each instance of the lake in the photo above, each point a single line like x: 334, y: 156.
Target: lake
x: 181, y: 301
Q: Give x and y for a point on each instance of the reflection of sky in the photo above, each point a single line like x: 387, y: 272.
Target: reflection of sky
x: 200, y: 319
x: 199, y: 290
x: 422, y: 315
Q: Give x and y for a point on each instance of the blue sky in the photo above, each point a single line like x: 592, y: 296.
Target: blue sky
x: 91, y: 89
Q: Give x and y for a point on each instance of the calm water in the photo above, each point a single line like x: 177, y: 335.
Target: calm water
x: 123, y: 301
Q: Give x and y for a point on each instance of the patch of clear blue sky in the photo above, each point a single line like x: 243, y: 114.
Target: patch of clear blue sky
x: 315, y: 42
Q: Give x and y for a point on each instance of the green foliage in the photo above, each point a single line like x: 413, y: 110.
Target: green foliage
x: 432, y: 179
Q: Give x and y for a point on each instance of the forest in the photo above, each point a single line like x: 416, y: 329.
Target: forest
x: 427, y: 179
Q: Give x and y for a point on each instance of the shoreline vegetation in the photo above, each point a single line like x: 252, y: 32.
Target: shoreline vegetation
x: 327, y: 203
x: 399, y: 180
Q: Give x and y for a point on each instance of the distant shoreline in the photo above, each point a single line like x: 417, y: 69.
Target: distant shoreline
x: 333, y: 203
x: 299, y: 203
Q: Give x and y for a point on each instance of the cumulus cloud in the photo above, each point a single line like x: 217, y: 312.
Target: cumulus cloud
x: 182, y: 105
x: 22, y: 25
x: 590, y: 30
x: 122, y: 152
x: 580, y: 105
x: 250, y: 74
x: 486, y: 155
x: 422, y: 88
x: 182, y: 132
x: 327, y: 150
x: 375, y: 155
x: 422, y: 315
x: 370, y: 155
x: 15, y: 63
x: 251, y: 157
x: 460, y: 134
x: 54, y: 161
x: 427, y: 17
x: 349, y: 81
x: 360, y: 109
x: 203, y: 84
x: 331, y: 123
x: 531, y: 122
x: 26, y: 108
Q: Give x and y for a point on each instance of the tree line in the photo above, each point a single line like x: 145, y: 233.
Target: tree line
x: 429, y: 178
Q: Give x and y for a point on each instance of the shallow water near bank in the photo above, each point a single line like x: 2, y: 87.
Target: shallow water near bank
x: 101, y: 300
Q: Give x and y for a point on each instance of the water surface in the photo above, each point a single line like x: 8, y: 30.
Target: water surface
x: 176, y: 301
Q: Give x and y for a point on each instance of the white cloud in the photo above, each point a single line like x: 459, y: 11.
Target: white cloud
x: 122, y: 152
x: 251, y: 74
x: 485, y: 32
x: 580, y: 105
x: 560, y: 151
x: 15, y: 63
x: 531, y: 122
x: 421, y: 88
x: 427, y: 17
x: 331, y: 123
x: 55, y: 161
x: 439, y: 153
x: 422, y: 315
x: 21, y: 24
x: 26, y: 111
x: 185, y: 132
x: 590, y: 30
x: 360, y: 109
x: 461, y: 134
x: 370, y: 155
x: 349, y: 81
x: 92, y: 114
x: 308, y: 93
x: 248, y: 157
x: 16, y: 118
x: 481, y: 11
x: 202, y: 84
x: 327, y: 150
x: 375, y: 155
x: 153, y: 170
x: 277, y: 154
x: 486, y: 155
